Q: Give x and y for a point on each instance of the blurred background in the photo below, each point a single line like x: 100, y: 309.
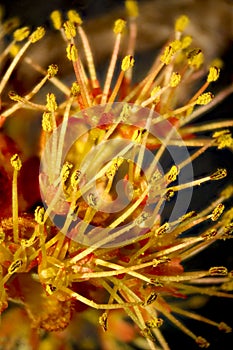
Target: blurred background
x: 212, y: 27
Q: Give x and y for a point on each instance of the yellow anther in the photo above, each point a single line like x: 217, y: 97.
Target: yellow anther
x: 151, y: 298
x: 186, y: 41
x: 131, y: 8
x: 70, y: 30
x: 155, y: 90
x: 205, y: 98
x: 167, y: 55
x: 219, y: 174
x: 21, y: 33
x: 228, y: 231
x: 119, y: 26
x: 188, y: 216
x: 175, y: 79
x: 56, y: 19
x: 172, y: 174
x: 209, y: 234
x: 176, y: 45
x: 14, y: 50
x: 115, y: 164
x: 72, y: 52
x: 155, y: 323
x: 181, y: 23
x: 220, y: 133
x: 223, y: 139
x: 75, y: 178
x: 49, y: 289
x: 37, y: 34
x: 127, y: 62
x: 15, y: 97
x: 155, y: 93
x: 47, y: 123
x: 52, y: 70
x: 15, y: 266
x: 224, y: 327
x: 16, y: 162
x: 218, y: 271
x: 103, y: 321
x: 65, y: 172
x: 51, y: 104
x: 75, y: 89
x: 169, y: 194
x: 202, y: 342
x: 162, y: 229
x: 195, y: 58
x: 74, y: 17
x: 137, y: 135
x: 39, y: 215
x: 217, y: 212
x: 213, y: 74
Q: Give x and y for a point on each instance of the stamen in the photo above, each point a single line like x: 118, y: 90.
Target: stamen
x: 16, y: 164
x: 118, y: 29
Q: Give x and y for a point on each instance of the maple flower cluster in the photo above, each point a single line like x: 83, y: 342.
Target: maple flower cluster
x: 112, y: 229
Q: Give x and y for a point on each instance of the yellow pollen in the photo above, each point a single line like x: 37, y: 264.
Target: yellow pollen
x: 72, y: 52
x: 155, y: 323
x: 16, y: 162
x: 175, y: 79
x: 103, y: 321
x: 47, y: 124
x: 56, y: 19
x: 223, y: 139
x: 218, y: 271
x: 181, y: 23
x: 74, y: 17
x: 217, y: 212
x: 39, y: 215
x: 14, y: 50
x: 195, y: 58
x: 75, y: 89
x: 127, y: 62
x: 21, y: 34
x: 205, y: 98
x: 162, y: 229
x: 219, y: 174
x: 15, y: 97
x: 70, y: 30
x: 131, y: 8
x: 176, y: 45
x: 119, y: 26
x: 186, y: 41
x: 167, y: 55
x: 173, y: 173
x: 15, y: 266
x: 52, y: 70
x: 75, y: 178
x: 213, y: 74
x: 37, y: 35
x: 65, y: 172
x: 51, y: 102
